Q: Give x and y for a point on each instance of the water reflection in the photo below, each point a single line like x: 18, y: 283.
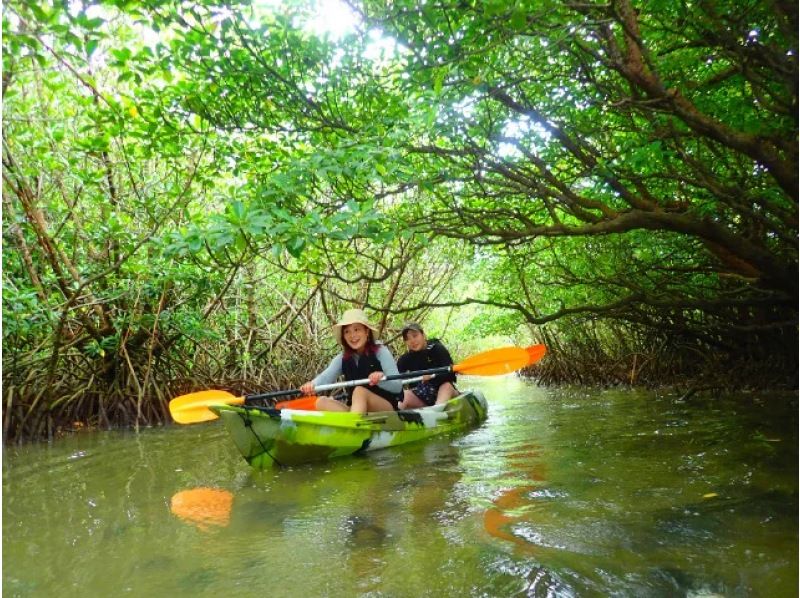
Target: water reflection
x: 515, y: 505
x: 203, y: 507
x: 559, y: 493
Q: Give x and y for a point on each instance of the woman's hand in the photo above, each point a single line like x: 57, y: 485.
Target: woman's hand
x: 307, y: 388
x: 375, y: 377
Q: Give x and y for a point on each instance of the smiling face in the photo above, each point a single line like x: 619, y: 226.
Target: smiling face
x: 356, y: 336
x: 415, y: 340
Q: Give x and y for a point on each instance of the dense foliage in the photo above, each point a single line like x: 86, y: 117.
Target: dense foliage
x: 633, y: 162
x: 193, y: 191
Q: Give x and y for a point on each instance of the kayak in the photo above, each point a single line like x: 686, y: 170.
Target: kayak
x: 268, y: 436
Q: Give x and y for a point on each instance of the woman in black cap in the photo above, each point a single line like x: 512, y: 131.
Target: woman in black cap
x: 424, y: 354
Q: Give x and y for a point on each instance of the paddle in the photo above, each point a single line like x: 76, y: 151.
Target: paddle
x: 194, y: 407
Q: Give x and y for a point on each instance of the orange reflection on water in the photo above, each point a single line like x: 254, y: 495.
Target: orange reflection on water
x: 203, y: 507
x: 498, y: 519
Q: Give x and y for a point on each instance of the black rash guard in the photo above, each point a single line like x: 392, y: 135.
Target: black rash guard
x: 435, y: 355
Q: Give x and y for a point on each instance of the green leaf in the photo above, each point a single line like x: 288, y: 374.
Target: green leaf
x: 122, y: 54
x: 295, y: 246
x: 39, y: 12
x: 519, y: 19
x: 91, y: 46
x: 438, y: 81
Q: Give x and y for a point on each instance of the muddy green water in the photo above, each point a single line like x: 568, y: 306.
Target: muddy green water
x: 559, y: 493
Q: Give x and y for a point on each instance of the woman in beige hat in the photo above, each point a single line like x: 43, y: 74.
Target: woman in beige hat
x: 362, y: 357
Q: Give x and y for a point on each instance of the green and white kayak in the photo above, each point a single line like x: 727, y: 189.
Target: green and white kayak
x: 268, y: 437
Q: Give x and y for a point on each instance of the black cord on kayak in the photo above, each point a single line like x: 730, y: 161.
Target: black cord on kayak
x: 248, y: 423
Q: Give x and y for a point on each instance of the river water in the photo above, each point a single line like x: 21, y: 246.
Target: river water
x: 567, y: 492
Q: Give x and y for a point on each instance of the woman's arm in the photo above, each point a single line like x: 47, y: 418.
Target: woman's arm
x: 330, y: 373
x: 442, y: 357
x: 389, y: 368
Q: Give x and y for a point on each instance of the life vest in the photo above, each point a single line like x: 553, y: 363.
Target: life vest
x: 358, y: 371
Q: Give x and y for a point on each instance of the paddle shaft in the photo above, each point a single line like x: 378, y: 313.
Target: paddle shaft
x: 407, y: 376
x: 196, y: 407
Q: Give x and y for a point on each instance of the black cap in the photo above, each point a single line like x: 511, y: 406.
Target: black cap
x: 411, y: 326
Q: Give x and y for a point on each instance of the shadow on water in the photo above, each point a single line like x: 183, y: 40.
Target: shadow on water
x: 570, y: 493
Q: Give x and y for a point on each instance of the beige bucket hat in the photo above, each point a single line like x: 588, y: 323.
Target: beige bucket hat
x: 351, y: 316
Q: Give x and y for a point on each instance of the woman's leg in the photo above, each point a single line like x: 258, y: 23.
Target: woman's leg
x: 329, y: 404
x: 446, y: 392
x: 365, y: 400
x: 411, y: 401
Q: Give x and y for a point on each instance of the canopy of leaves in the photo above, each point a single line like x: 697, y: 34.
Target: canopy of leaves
x: 193, y: 190
x: 632, y: 161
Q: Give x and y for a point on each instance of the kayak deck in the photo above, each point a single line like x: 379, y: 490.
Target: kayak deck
x: 267, y: 436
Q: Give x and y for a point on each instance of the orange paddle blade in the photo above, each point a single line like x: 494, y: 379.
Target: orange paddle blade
x: 498, y: 361
x: 536, y: 352
x: 194, y: 407
x: 308, y: 403
x: 203, y: 507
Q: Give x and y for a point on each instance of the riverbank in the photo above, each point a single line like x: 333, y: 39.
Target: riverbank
x: 704, y: 373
